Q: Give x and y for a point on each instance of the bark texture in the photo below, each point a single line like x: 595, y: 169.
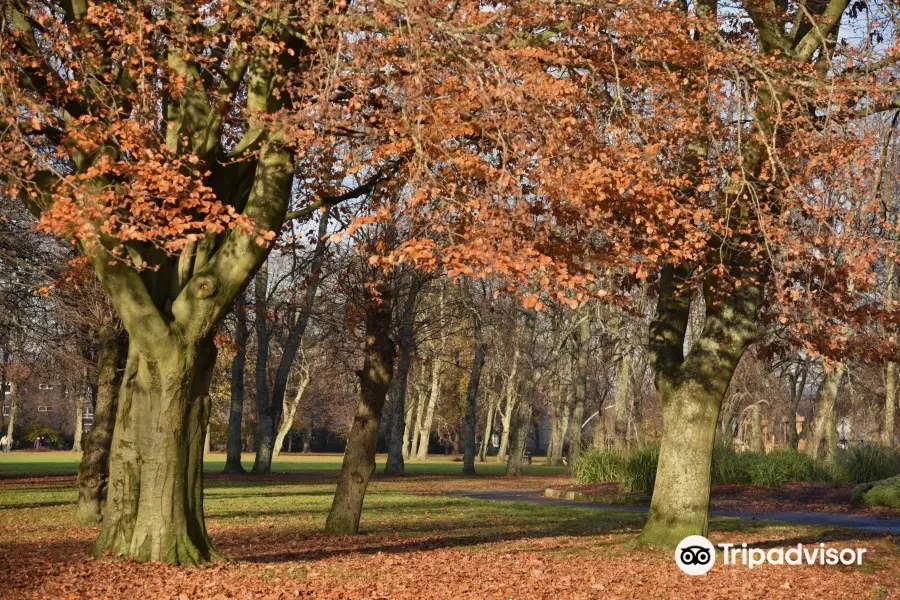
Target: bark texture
x: 691, y: 390
x: 374, y: 381
x: 93, y: 470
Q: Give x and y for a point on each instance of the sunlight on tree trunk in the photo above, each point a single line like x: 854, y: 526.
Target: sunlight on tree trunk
x: 374, y: 380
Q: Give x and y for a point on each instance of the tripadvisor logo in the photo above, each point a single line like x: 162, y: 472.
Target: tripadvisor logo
x: 696, y: 555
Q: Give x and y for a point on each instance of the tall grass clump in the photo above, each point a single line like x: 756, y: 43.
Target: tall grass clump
x: 639, y: 474
x: 868, y: 462
x: 599, y: 466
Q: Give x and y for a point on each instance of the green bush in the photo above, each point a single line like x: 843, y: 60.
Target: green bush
x: 639, y: 474
x: 765, y: 471
x: 798, y: 466
x: 879, y: 493
x: 599, y: 466
x: 869, y: 462
x: 729, y: 466
x: 51, y: 436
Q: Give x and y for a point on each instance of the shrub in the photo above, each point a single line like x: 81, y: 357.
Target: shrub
x: 765, y: 471
x: 870, y: 462
x: 599, y: 466
x: 639, y: 474
x: 879, y: 493
x: 798, y: 466
x: 728, y: 466
x: 50, y: 436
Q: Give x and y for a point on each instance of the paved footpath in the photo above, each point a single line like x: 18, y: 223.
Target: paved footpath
x: 883, y: 524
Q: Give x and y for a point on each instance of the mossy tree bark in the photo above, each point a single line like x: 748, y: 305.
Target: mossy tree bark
x: 374, y: 381
x: 470, y: 419
x: 691, y: 389
x: 93, y: 470
x: 154, y: 508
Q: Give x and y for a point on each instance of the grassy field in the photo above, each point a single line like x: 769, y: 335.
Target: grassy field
x: 30, y: 464
x: 416, y: 542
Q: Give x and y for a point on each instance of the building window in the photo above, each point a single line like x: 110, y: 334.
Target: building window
x: 45, y: 386
x: 45, y: 409
x: 5, y: 411
x: 88, y: 411
x: 7, y: 388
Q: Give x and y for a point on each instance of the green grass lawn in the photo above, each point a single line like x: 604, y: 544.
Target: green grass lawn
x: 36, y: 464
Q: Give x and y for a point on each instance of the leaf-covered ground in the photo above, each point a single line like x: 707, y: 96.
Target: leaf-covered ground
x: 798, y: 497
x: 417, y: 543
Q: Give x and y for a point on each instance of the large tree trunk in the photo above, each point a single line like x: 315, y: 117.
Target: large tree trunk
x: 582, y: 347
x: 374, y: 380
x: 691, y: 390
x: 824, y: 421
x: 93, y: 470
x: 235, y: 443
x: 154, y: 508
x: 470, y: 420
x: 561, y: 416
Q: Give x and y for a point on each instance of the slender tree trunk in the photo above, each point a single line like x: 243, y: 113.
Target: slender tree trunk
x: 290, y: 409
x: 623, y: 389
x: 824, y: 421
x: 520, y: 425
x: 154, y: 508
x: 408, y: 427
x: 267, y: 414
x: 890, y: 404
x: 798, y: 386
x: 558, y: 441
x: 13, y: 406
x: 512, y: 388
x: 890, y: 380
x: 79, y: 422
x: 307, y: 437
x: 582, y: 347
x: 419, y: 424
x: 757, y: 442
x: 488, y: 427
x: 93, y: 470
x: 374, y: 379
x: 235, y: 443
x: 433, y: 397
x: 273, y: 403
x: 400, y: 384
x: 470, y: 420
